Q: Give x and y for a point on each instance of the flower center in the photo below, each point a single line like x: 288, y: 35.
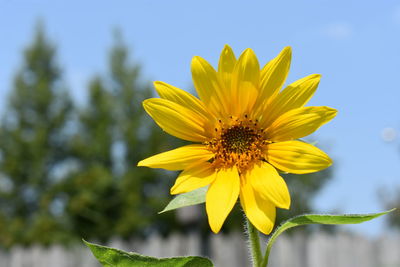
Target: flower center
x: 238, y: 139
x: 238, y: 142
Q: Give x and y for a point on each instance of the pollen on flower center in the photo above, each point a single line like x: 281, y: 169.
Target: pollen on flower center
x: 238, y: 139
x: 238, y: 142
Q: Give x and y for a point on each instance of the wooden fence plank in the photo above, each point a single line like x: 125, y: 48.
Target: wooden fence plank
x: 319, y: 249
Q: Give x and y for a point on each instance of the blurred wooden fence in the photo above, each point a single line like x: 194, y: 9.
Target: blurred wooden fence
x: 317, y: 250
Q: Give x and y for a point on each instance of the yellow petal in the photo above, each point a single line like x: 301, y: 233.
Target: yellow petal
x: 181, y: 97
x: 226, y: 64
x: 297, y: 157
x: 273, y: 76
x: 179, y: 158
x: 299, y: 122
x: 221, y: 197
x: 194, y: 177
x: 266, y: 180
x: 207, y: 85
x: 296, y: 95
x: 177, y: 120
x: 245, y: 83
x: 260, y: 212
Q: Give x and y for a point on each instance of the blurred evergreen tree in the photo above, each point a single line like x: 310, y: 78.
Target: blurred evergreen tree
x: 33, y: 141
x: 90, y: 189
x: 144, y: 191
x: 107, y: 194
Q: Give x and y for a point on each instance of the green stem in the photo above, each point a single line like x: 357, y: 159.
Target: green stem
x: 271, y: 240
x: 264, y: 263
x: 254, y: 241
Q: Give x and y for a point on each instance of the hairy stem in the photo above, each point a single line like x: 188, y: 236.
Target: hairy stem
x: 254, y: 241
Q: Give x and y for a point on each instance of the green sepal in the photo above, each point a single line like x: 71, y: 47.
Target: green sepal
x: 318, y: 219
x: 191, y: 198
x: 111, y: 257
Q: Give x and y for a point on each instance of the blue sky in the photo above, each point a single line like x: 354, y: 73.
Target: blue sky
x: 355, y: 45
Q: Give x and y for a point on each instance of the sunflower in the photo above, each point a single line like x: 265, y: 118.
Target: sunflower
x: 245, y: 130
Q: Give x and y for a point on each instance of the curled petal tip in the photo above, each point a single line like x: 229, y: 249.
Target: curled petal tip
x: 249, y: 52
x: 330, y: 162
x: 215, y: 230
x: 155, y: 83
x: 287, y: 49
x: 333, y: 112
x: 227, y: 47
x: 146, y: 102
x: 287, y: 205
x: 196, y: 59
x: 286, y: 52
x: 141, y: 163
x: 172, y: 191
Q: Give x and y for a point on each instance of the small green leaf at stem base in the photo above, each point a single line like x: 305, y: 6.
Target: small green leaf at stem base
x: 191, y: 198
x: 111, y: 257
x: 318, y: 219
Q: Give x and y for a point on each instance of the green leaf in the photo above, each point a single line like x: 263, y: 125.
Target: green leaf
x: 318, y: 219
x: 187, y: 199
x: 111, y: 257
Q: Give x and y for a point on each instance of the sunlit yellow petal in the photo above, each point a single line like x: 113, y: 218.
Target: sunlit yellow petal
x: 226, y: 65
x: 181, y: 97
x: 299, y: 122
x: 221, y: 197
x: 273, y: 76
x: 177, y: 120
x: 260, y: 212
x: 194, y: 177
x: 297, y: 157
x: 179, y: 158
x: 207, y: 85
x: 245, y: 83
x: 269, y: 184
x: 296, y: 95
x: 274, y: 73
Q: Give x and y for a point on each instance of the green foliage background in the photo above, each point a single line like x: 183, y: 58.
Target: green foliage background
x: 68, y: 172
